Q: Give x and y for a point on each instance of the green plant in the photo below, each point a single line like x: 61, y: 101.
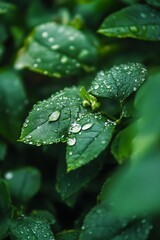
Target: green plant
x: 90, y: 165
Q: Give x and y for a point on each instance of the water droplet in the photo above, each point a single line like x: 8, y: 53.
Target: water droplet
x: 83, y: 227
x: 143, y: 15
x: 56, y: 46
x: 87, y: 126
x: 38, y: 60
x: 71, y: 47
x: 35, y: 65
x: 50, y: 39
x: 54, y: 116
x: 83, y: 53
x: 70, y: 153
x: 133, y: 29
x: 71, y: 141
x: 75, y: 128
x: 8, y: 175
x: 134, y: 89
x: 143, y: 221
x: 71, y: 38
x: 96, y: 86
x: 44, y: 34
x: 64, y: 59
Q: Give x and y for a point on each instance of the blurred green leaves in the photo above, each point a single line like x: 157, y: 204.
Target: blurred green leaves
x: 5, y: 209
x: 101, y: 223
x: 136, y: 21
x: 47, y: 52
x: 23, y: 183
x: 12, y: 104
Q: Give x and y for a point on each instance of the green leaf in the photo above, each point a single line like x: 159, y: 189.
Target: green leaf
x: 50, y: 119
x: 12, y: 98
x: 89, y: 136
x: 6, y: 7
x: 3, y: 150
x: 122, y: 144
x: 155, y: 3
x: 32, y: 228
x: 23, y: 183
x: 136, y: 21
x: 134, y: 189
x: 119, y: 82
x: 5, y: 209
x: 68, y: 235
x: 47, y: 52
x: 70, y: 183
x: 102, y: 224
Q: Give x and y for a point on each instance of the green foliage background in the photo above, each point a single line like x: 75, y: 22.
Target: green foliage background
x: 79, y: 120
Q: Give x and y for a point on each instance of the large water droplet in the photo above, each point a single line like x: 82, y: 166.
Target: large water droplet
x: 54, y: 116
x: 75, y: 128
x: 87, y: 126
x: 71, y: 141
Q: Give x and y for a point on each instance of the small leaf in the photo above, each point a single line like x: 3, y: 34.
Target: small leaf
x: 102, y: 224
x: 70, y: 183
x: 68, y: 235
x: 155, y: 3
x: 12, y: 98
x: 6, y: 7
x: 93, y: 137
x: 50, y: 119
x: 23, y: 183
x: 122, y: 144
x: 47, y: 52
x: 89, y: 100
x: 31, y: 228
x: 136, y: 21
x: 5, y: 209
x: 119, y: 82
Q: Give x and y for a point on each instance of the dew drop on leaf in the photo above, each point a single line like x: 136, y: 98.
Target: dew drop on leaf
x: 54, y: 116
x: 133, y: 29
x: 64, y: 59
x: 44, y: 34
x: 87, y: 126
x: 71, y: 141
x: 75, y: 128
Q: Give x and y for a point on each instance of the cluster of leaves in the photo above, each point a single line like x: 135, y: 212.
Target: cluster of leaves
x: 90, y: 165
